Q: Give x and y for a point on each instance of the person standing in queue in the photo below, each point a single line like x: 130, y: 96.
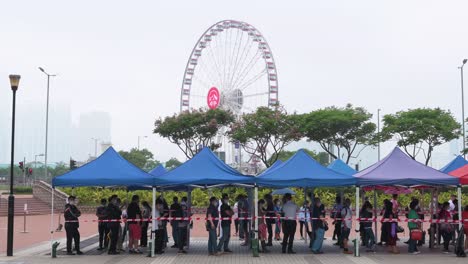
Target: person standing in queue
x: 270, y: 221
x: 175, y: 207
x: 101, y: 213
x: 318, y: 227
x: 71, y: 215
x: 226, y: 214
x: 182, y: 225
x: 114, y: 214
x: 346, y: 224
x: 134, y: 227
x: 244, y: 209
x: 145, y: 224
x: 290, y: 210
x: 159, y: 229
x: 211, y: 224
x: 262, y: 228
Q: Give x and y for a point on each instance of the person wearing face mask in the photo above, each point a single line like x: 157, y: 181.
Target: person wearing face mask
x: 278, y: 210
x: 182, y: 226
x: 159, y: 229
x: 211, y: 224
x: 114, y: 213
x: 346, y: 225
x: 412, y: 225
x: 226, y: 214
x: 71, y: 215
x: 318, y: 227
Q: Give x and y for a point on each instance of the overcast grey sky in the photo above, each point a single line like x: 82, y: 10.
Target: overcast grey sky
x: 128, y: 57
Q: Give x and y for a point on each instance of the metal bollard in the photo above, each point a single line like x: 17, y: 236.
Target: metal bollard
x: 150, y: 247
x: 255, y: 248
x: 355, y: 245
x: 54, y: 249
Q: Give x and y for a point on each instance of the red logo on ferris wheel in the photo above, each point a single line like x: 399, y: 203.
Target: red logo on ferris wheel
x: 212, y: 99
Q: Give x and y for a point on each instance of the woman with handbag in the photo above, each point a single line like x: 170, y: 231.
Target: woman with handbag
x: 414, y: 227
x: 445, y: 227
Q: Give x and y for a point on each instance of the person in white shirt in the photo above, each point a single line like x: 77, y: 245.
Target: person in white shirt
x: 451, y: 203
x: 346, y: 224
x: 304, y: 216
x: 290, y: 210
x: 236, y: 216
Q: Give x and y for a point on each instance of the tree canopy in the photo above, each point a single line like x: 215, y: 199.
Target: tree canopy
x: 141, y: 158
x: 265, y: 133
x: 172, y: 163
x: 420, y: 130
x: 344, y: 128
x: 191, y: 130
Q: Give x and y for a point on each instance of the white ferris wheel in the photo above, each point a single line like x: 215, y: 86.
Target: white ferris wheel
x: 232, y: 67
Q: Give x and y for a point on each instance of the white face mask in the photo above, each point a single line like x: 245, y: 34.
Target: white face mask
x: 72, y: 202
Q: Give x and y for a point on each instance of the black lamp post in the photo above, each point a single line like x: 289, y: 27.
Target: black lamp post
x: 14, y: 82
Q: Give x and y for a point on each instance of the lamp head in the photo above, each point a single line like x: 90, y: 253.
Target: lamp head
x: 14, y: 81
x: 464, y: 61
x: 41, y: 69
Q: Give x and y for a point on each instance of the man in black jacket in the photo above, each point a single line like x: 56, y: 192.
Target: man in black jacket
x: 71, y: 215
x: 114, y: 213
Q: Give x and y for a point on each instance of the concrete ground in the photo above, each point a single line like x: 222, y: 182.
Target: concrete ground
x: 198, y: 254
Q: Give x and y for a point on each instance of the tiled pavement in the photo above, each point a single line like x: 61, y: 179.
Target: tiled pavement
x: 198, y: 255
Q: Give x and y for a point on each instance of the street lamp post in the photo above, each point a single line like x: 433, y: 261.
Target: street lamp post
x: 378, y: 131
x: 35, y: 163
x: 14, y: 82
x: 47, y: 120
x: 139, y: 141
x: 463, y: 106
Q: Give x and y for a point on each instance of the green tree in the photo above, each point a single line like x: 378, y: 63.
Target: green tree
x: 344, y: 128
x: 190, y: 130
x: 265, y: 133
x: 321, y: 157
x: 420, y: 130
x: 141, y: 158
x: 172, y: 164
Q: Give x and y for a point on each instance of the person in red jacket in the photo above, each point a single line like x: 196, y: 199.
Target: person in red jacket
x: 445, y: 227
x: 465, y: 225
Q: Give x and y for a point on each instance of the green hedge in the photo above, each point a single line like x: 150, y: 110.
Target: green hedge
x: 200, y: 197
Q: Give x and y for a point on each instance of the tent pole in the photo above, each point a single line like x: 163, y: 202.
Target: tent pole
x: 52, y: 221
x: 431, y: 228
x: 153, y: 222
x: 375, y: 215
x: 358, y: 243
x: 189, y: 214
x: 256, y: 219
x: 460, y: 218
x: 306, y: 221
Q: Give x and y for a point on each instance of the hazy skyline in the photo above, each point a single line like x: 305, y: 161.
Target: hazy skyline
x: 127, y: 58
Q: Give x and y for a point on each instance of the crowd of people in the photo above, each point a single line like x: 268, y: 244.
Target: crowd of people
x: 276, y: 217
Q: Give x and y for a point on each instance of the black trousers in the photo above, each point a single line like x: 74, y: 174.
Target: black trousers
x: 144, y: 234
x: 236, y: 225
x: 159, y: 240
x: 289, y: 230
x: 182, y: 233
x: 270, y: 231
x: 114, y: 236
x: 72, y: 234
x: 103, y: 232
x: 301, y: 228
x: 337, y: 231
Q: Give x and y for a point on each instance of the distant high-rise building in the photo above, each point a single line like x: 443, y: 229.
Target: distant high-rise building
x: 92, y: 130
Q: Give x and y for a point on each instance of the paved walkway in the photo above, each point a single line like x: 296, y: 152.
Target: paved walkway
x: 198, y: 254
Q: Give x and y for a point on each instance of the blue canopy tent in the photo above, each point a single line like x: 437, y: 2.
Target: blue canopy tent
x: 204, y: 170
x: 108, y: 170
x: 339, y: 166
x: 301, y: 170
x: 158, y: 171
x: 272, y: 167
x: 456, y: 163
